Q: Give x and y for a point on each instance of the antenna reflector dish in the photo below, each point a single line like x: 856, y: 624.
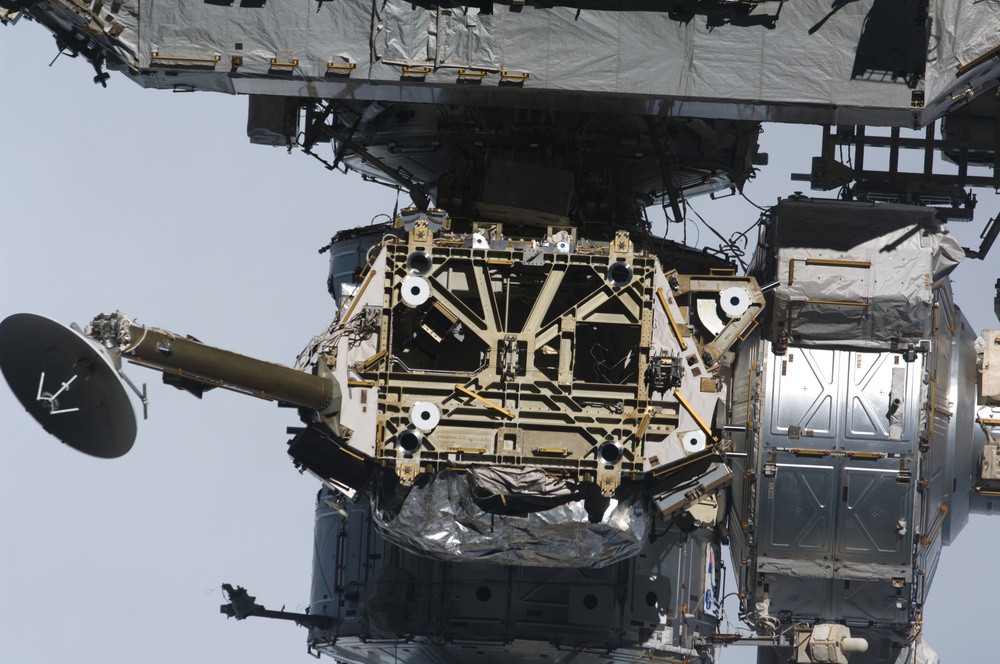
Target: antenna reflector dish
x: 68, y: 383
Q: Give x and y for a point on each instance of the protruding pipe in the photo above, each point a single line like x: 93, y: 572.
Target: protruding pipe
x: 190, y: 359
x: 853, y: 644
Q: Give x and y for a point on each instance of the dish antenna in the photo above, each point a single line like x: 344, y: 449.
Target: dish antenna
x: 69, y: 383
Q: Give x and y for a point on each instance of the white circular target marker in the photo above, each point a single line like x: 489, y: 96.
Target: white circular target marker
x: 414, y: 291
x: 734, y: 301
x: 694, y: 441
x: 425, y: 415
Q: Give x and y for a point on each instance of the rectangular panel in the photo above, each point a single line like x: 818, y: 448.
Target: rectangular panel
x: 541, y: 598
x: 805, y: 389
x: 872, y: 601
x: 806, y: 598
x: 874, y: 523
x: 797, y: 512
x: 575, y: 603
x: 477, y: 593
x: 878, y: 397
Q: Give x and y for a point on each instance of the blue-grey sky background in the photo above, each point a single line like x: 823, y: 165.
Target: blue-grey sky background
x: 156, y: 204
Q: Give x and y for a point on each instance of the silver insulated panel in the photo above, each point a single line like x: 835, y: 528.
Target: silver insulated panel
x: 834, y: 510
x: 866, y: 62
x: 855, y: 464
x: 856, y: 274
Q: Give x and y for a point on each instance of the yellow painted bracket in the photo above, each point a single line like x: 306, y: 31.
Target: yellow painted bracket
x: 826, y: 262
x: 926, y: 540
x: 644, y: 424
x: 978, y: 61
x: 341, y: 69
x: 836, y: 262
x: 931, y: 405
x: 466, y: 391
x: 374, y: 359
x: 357, y: 296
x: 697, y: 418
x: 669, y: 468
x: 866, y: 456
x: 514, y: 77
x: 290, y: 65
x: 348, y: 451
x: 834, y: 303
x: 943, y: 412
x: 799, y: 451
x: 552, y: 451
x: 951, y: 311
x: 670, y: 317
x: 751, y: 326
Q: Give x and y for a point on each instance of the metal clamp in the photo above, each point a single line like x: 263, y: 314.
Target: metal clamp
x: 514, y: 77
x: 751, y: 326
x: 207, y: 61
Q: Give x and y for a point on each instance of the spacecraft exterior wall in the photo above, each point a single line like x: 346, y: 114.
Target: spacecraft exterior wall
x: 857, y: 461
x: 861, y: 275
x: 866, y: 62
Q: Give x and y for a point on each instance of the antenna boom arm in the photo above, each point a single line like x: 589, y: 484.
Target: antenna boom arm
x: 190, y: 359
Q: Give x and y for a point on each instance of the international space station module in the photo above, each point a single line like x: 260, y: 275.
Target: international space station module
x: 537, y: 424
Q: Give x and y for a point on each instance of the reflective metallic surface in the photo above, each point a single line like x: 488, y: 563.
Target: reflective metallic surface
x: 856, y: 469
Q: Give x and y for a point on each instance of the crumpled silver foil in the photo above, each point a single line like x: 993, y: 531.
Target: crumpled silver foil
x: 442, y: 520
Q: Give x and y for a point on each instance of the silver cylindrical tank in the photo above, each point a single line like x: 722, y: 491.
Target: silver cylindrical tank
x: 350, y: 252
x: 343, y: 552
x: 324, y: 600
